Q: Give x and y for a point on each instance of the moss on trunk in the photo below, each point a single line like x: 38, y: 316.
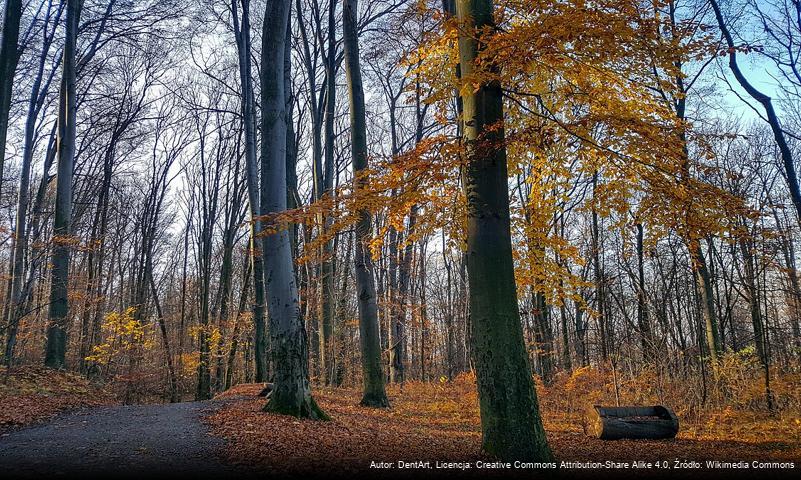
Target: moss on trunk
x: 510, y: 419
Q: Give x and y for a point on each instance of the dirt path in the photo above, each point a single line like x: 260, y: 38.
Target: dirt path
x: 127, y: 441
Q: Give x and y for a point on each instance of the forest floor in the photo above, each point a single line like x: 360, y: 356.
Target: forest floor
x: 440, y: 422
x: 30, y: 395
x: 58, y: 424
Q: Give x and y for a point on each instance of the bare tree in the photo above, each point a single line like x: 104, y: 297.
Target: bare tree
x: 62, y: 240
x: 292, y: 392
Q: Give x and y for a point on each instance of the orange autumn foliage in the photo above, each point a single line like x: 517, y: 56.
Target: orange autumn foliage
x: 581, y: 98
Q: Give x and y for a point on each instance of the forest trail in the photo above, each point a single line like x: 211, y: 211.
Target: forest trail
x: 119, y: 441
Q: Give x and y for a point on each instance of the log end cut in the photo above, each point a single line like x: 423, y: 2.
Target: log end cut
x: 267, y: 391
x: 640, y: 422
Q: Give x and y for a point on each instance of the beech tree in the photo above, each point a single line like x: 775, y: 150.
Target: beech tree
x: 242, y: 37
x: 510, y: 419
x: 373, y: 376
x: 292, y: 391
x: 9, y: 56
x: 327, y: 347
x: 62, y: 240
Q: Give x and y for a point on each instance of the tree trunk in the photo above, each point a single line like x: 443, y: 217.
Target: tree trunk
x: 642, y: 304
x: 292, y: 393
x: 342, y: 303
x: 581, y: 335
x: 327, y: 271
x: 172, y: 377
x: 752, y: 294
x: 600, y: 293
x: 399, y: 320
x: 9, y: 56
x: 243, y: 297
x: 252, y: 175
x: 559, y: 223
x: 794, y: 296
x: 373, y: 376
x: 58, y: 312
x: 185, y: 261
x: 392, y: 297
x: 424, y: 333
x: 449, y: 313
x: 708, y: 312
x: 208, y: 213
x: 510, y: 419
x: 543, y: 334
x: 566, y: 362
x: 226, y: 276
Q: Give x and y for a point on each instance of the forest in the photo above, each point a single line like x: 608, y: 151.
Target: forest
x: 461, y: 221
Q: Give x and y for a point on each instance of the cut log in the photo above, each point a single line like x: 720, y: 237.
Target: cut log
x: 268, y: 389
x: 645, y: 422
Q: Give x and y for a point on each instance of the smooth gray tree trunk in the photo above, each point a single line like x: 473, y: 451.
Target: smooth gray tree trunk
x: 373, y: 376
x: 58, y: 312
x: 242, y: 34
x: 327, y: 271
x: 292, y: 391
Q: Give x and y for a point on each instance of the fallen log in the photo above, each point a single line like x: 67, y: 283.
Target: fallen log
x: 644, y: 422
x: 268, y: 389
